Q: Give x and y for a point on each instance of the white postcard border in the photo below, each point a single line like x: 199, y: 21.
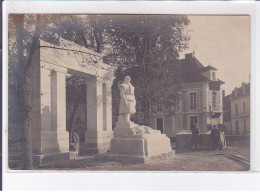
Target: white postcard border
x: 78, y: 180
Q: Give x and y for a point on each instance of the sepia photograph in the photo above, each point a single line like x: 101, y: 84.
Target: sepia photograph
x: 128, y: 92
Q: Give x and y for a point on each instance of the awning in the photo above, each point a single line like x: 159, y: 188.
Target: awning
x: 216, y: 115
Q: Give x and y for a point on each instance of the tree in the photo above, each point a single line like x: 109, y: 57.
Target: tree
x: 76, y: 90
x: 87, y: 31
x: 24, y: 88
x: 24, y: 34
x: 147, y: 47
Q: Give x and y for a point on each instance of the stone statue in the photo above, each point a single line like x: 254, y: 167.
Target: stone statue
x: 132, y: 142
x: 127, y: 100
x: 124, y: 127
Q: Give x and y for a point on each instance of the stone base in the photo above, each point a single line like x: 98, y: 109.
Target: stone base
x: 39, y: 160
x: 132, y: 158
x: 141, y: 145
x: 205, y: 141
x: 139, y: 148
x: 137, y: 143
x: 184, y: 138
x: 48, y: 142
x: 96, y: 142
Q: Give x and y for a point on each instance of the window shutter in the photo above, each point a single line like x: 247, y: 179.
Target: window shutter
x: 197, y: 100
x: 218, y: 100
x: 210, y: 98
x: 187, y: 99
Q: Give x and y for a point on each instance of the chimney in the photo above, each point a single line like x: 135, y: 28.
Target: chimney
x: 244, y: 88
x: 190, y: 55
x: 223, y: 93
x: 235, y: 91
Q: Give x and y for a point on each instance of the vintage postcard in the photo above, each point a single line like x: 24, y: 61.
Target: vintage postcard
x: 129, y: 92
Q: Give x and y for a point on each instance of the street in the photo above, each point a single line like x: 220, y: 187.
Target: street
x: 184, y: 161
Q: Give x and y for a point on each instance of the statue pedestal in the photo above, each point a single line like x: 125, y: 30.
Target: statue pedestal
x: 137, y: 144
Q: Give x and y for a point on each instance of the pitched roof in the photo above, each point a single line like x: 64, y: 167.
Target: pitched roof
x: 192, y: 68
x: 207, y: 68
x: 218, y: 81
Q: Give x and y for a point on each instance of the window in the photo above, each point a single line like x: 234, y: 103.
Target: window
x: 244, y: 106
x: 178, y: 105
x: 160, y: 108
x: 237, y: 127
x: 214, y: 99
x: 154, y: 108
x: 193, y: 100
x: 244, y: 125
x: 159, y: 124
x: 236, y: 108
x: 213, y: 75
x: 193, y: 120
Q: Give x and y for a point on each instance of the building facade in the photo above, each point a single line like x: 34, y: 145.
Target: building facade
x: 240, y: 110
x: 227, y: 113
x: 201, y: 99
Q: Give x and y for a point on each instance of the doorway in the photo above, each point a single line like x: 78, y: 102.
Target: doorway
x: 159, y: 124
x: 76, y: 108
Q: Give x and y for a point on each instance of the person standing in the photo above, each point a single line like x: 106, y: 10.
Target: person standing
x: 195, y: 137
x: 76, y: 142
x: 215, y: 136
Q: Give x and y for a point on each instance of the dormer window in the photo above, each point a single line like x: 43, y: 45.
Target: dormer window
x: 214, y: 76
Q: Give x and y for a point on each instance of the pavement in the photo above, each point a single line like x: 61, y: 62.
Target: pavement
x: 183, y: 161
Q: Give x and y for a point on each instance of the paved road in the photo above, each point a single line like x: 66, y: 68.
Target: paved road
x: 188, y: 161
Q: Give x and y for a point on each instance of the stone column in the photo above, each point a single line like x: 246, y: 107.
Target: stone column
x: 50, y: 138
x: 94, y: 104
x: 107, y: 133
x: 94, y: 114
x: 59, y: 107
x: 99, y: 116
x: 41, y: 116
x: 107, y: 106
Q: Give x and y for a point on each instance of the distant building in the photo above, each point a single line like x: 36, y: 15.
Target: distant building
x: 201, y: 101
x: 227, y: 113
x: 240, y: 109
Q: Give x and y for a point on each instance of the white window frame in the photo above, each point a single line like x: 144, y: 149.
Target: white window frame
x: 196, y: 102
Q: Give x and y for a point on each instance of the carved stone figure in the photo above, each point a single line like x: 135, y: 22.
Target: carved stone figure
x: 127, y: 101
x: 133, y: 142
x: 124, y: 127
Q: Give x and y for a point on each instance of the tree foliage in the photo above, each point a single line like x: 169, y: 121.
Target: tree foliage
x: 147, y: 47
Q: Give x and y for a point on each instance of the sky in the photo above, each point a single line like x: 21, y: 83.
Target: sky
x: 224, y: 42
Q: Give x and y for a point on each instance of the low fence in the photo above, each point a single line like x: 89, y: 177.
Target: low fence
x: 244, y: 139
